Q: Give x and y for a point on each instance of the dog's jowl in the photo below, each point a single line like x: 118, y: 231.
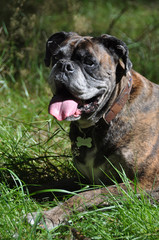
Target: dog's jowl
x: 114, y: 114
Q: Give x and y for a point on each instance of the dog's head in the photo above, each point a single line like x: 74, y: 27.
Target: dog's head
x: 84, y: 73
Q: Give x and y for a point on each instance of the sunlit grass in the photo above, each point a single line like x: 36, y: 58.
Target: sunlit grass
x: 14, y: 204
x: 34, y: 146
x: 129, y: 216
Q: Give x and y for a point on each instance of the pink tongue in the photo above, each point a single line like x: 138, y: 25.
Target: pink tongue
x: 62, y: 108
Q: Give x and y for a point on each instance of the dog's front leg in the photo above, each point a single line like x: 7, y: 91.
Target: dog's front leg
x: 83, y: 201
x: 80, y: 202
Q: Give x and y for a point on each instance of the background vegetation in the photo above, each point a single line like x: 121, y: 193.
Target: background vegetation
x: 33, y: 145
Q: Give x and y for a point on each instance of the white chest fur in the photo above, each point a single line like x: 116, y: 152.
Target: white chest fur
x: 87, y: 168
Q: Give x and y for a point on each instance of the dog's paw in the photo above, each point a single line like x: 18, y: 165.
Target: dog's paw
x: 48, y: 219
x: 39, y: 219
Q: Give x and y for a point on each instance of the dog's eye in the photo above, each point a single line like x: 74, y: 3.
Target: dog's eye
x: 57, y: 55
x: 88, y: 61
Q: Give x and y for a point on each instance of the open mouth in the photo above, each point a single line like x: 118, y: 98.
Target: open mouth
x: 63, y: 107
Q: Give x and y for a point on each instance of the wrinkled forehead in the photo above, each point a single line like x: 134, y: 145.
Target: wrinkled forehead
x: 82, y: 45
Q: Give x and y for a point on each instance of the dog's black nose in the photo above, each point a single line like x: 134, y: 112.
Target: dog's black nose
x: 65, y: 65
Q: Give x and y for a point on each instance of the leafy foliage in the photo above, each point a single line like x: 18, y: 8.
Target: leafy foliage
x: 26, y: 25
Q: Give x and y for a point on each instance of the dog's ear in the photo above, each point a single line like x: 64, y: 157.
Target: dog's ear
x: 52, y: 43
x: 118, y: 49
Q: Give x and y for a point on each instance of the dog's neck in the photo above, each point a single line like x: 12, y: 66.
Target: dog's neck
x: 119, y: 102
x: 85, y: 123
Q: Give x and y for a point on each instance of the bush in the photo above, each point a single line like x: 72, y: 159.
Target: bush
x: 26, y: 25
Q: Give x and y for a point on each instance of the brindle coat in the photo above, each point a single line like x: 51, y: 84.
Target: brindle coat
x: 129, y: 142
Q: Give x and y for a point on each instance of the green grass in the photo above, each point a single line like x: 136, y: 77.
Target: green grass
x: 30, y: 140
x: 14, y: 204
x: 35, y: 147
x: 127, y: 217
x: 132, y: 219
x: 26, y: 29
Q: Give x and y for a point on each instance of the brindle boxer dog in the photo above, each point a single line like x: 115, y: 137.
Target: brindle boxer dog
x: 114, y: 114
